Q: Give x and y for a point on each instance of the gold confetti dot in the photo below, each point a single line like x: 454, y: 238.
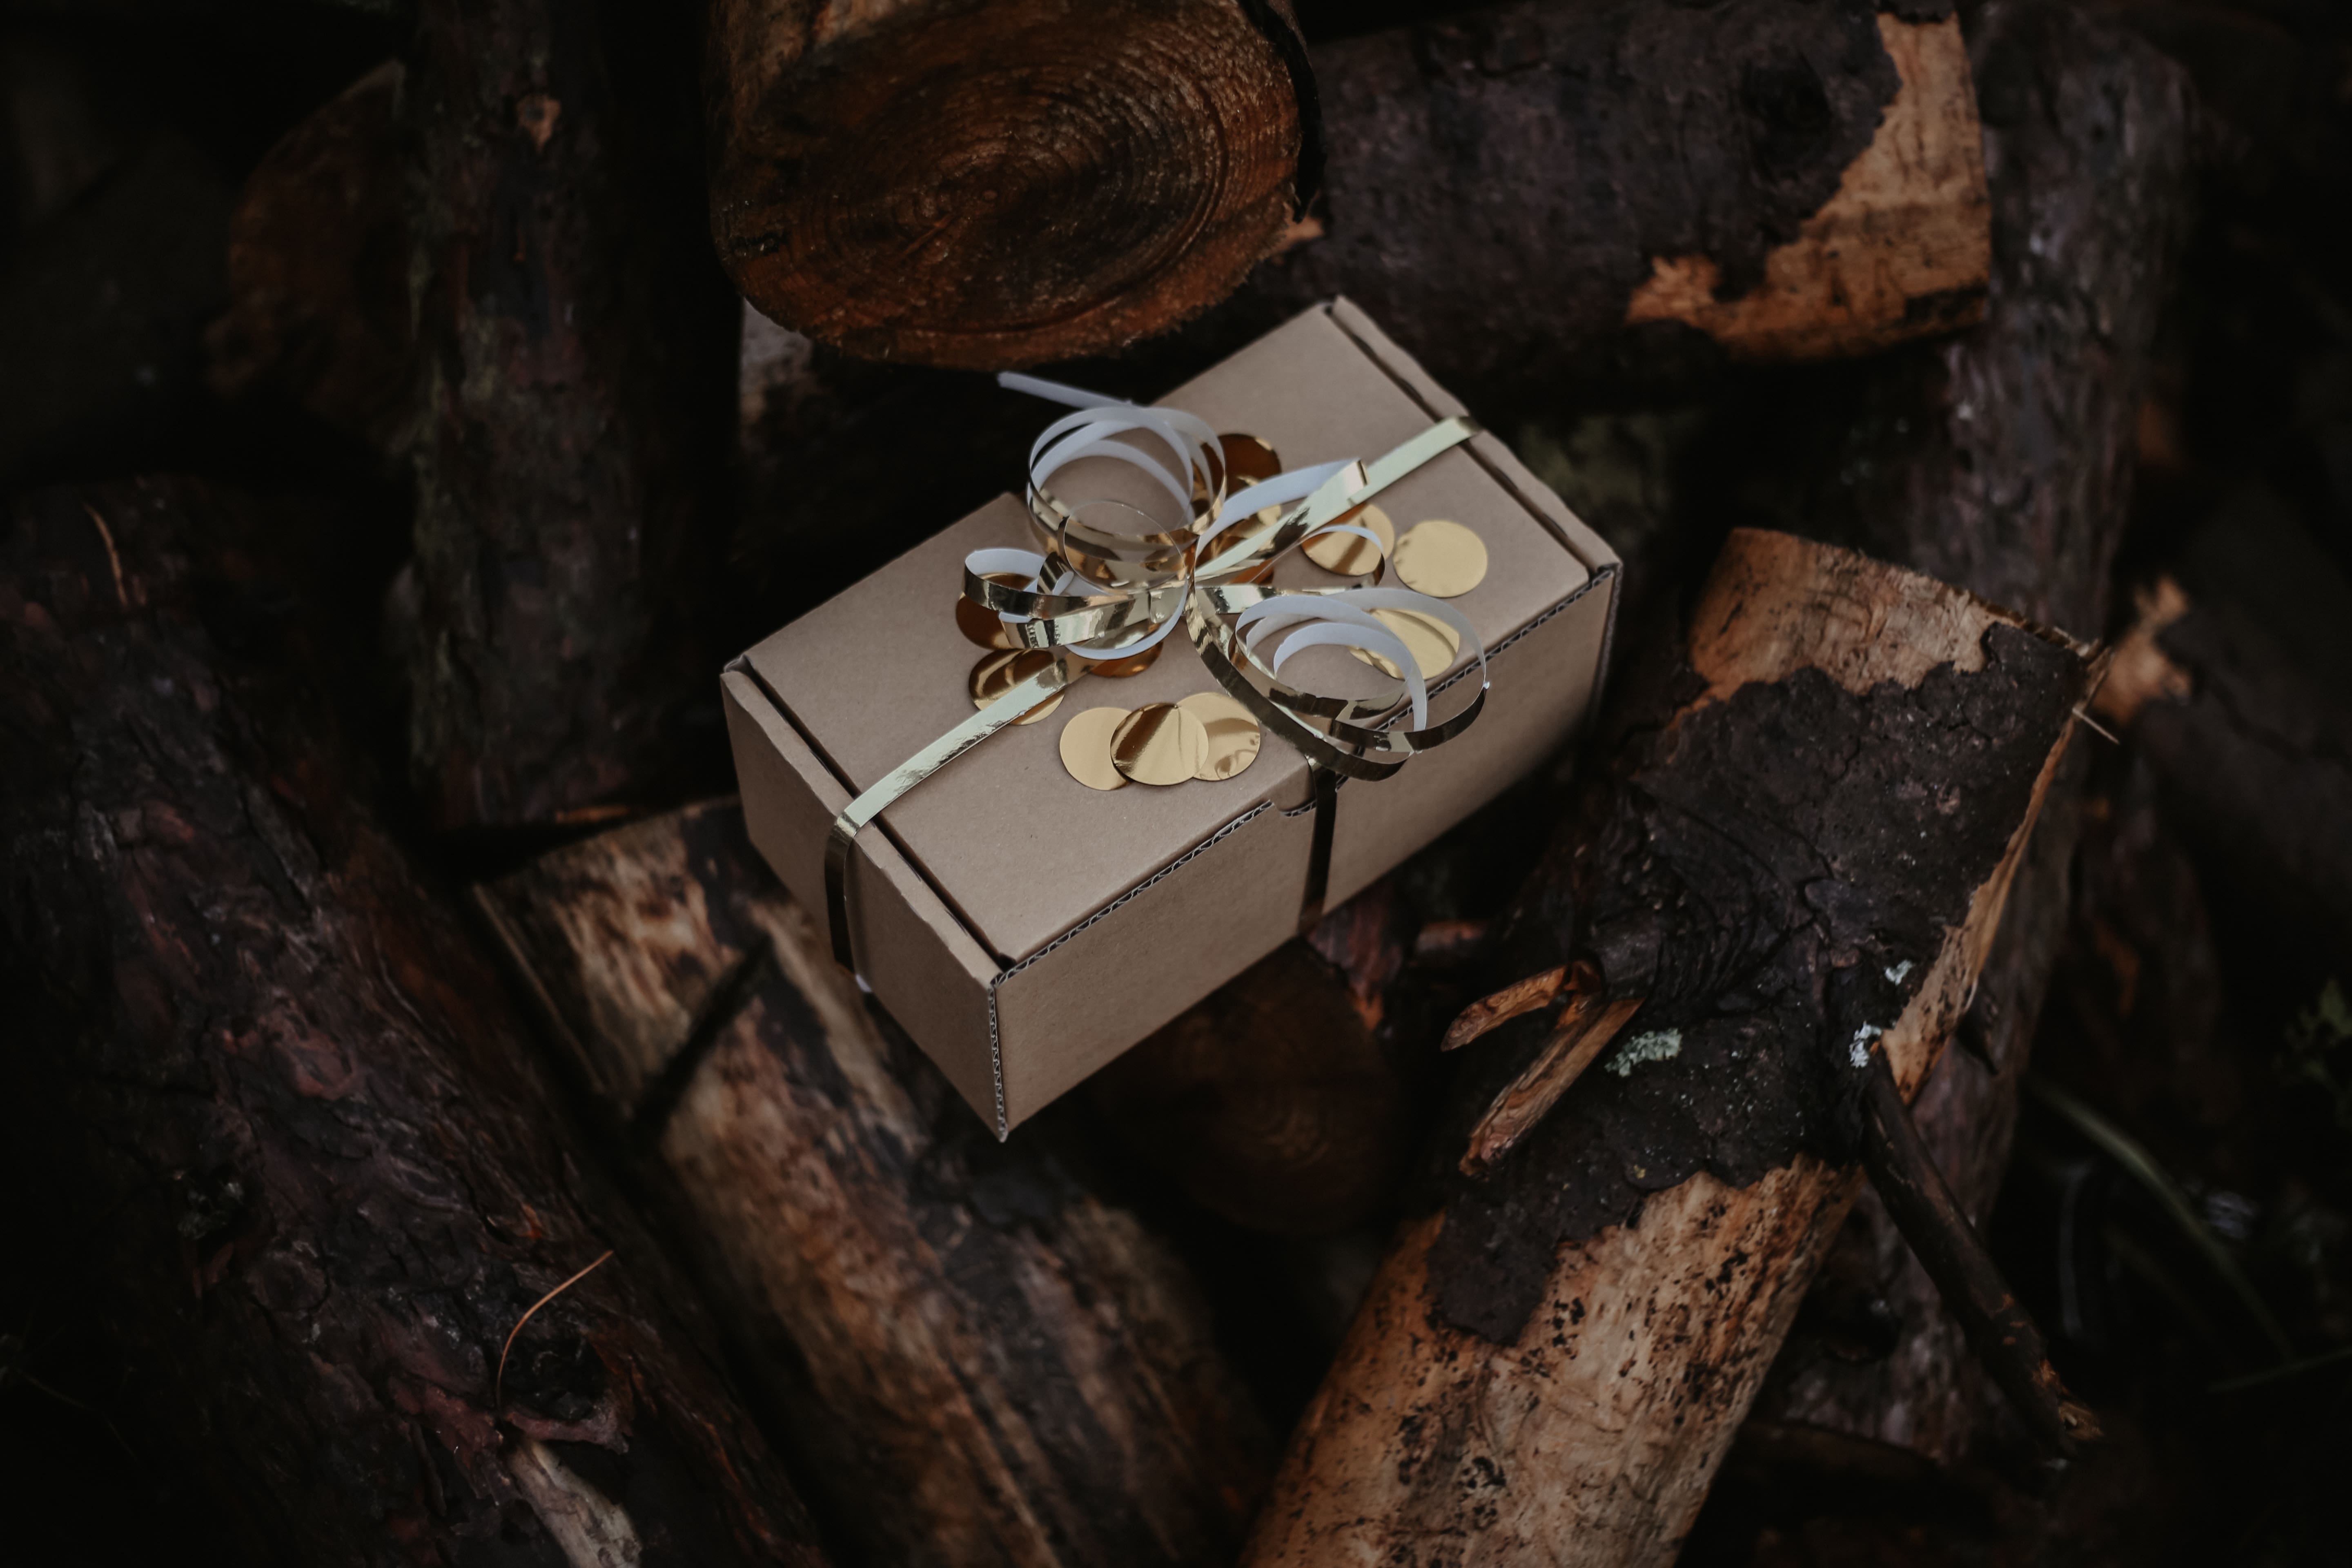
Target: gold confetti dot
x: 1441, y: 559
x: 1432, y: 642
x: 1158, y: 744
x: 979, y: 624
x: 1248, y: 462
x: 998, y: 673
x: 1086, y: 748
x: 1133, y: 664
x: 1349, y: 554
x: 1233, y: 733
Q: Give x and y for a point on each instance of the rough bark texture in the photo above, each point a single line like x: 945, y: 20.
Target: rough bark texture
x: 578, y: 352
x: 987, y: 1362
x: 290, y: 1115
x: 986, y: 186
x: 2000, y: 461
x: 318, y: 267
x: 1802, y: 862
x: 1277, y: 1101
x: 1511, y: 189
x: 2254, y: 755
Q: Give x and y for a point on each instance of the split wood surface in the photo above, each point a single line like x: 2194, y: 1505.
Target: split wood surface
x: 286, y: 1114
x: 985, y: 185
x: 577, y: 346
x: 982, y: 1360
x: 1804, y: 866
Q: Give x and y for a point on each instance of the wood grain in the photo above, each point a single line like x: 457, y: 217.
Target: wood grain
x: 1514, y: 1403
x: 991, y: 186
x: 983, y: 1360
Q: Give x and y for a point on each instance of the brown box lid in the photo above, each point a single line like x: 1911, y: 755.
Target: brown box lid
x: 1016, y: 848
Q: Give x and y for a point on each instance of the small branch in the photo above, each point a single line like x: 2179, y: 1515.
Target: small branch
x: 1997, y: 1326
x: 1490, y: 1013
x: 1586, y: 1024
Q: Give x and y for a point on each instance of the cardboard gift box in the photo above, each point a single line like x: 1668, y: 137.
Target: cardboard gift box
x: 1023, y: 928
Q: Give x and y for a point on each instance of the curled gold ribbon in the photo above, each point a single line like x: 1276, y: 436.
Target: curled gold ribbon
x: 1112, y: 581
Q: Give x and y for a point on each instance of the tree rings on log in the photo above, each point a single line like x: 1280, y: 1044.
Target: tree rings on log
x: 999, y: 184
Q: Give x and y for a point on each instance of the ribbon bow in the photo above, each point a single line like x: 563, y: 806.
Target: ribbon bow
x: 1113, y: 582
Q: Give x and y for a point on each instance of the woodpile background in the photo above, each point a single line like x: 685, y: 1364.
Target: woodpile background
x: 431, y: 1136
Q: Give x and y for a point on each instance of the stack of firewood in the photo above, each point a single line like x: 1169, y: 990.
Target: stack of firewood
x: 485, y: 1161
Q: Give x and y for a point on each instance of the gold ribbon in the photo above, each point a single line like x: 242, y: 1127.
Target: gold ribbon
x: 1098, y: 593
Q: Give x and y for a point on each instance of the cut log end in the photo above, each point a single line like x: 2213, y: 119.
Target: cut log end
x: 983, y: 186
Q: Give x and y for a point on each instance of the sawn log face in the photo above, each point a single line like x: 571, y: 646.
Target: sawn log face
x: 959, y: 1327
x: 998, y: 184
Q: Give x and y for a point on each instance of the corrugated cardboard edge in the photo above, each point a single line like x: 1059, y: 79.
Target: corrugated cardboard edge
x: 947, y: 975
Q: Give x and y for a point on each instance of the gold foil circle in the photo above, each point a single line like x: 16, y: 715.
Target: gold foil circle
x: 1086, y: 748
x: 1133, y: 664
x: 998, y: 673
x: 1248, y: 462
x: 1435, y: 644
x: 1441, y: 559
x: 1158, y: 744
x: 979, y: 624
x: 1348, y: 555
x: 1234, y: 734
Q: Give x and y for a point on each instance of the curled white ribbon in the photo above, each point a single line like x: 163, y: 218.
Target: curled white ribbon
x: 1099, y: 592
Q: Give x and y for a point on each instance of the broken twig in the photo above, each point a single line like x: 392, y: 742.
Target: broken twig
x: 1997, y: 1324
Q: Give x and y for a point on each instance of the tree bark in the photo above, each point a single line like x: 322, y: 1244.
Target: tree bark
x: 1554, y: 188
x: 986, y: 186
x: 577, y: 350
x: 318, y: 268
x: 2000, y: 461
x: 1802, y: 863
x: 987, y: 1362
x: 2254, y: 755
x: 288, y: 1116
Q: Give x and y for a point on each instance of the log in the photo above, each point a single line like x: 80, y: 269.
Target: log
x: 577, y: 353
x: 2253, y: 752
x: 986, y: 186
x: 318, y: 268
x: 2088, y: 143
x: 1800, y: 866
x: 984, y: 1361
x: 1512, y: 189
x: 1555, y: 188
x: 1282, y: 1102
x: 290, y: 1115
